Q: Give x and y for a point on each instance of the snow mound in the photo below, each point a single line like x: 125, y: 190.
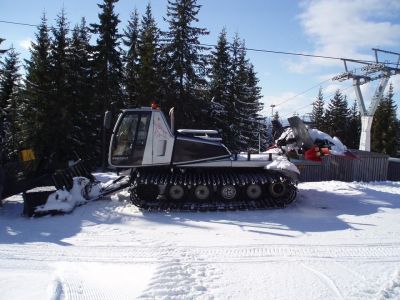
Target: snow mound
x: 282, y: 163
x: 337, y: 147
x: 288, y: 140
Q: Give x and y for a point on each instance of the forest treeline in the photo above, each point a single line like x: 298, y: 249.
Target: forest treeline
x: 70, y: 81
x: 338, y: 119
x: 77, y: 73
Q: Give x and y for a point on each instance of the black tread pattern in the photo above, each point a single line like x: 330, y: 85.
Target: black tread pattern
x: 145, y: 181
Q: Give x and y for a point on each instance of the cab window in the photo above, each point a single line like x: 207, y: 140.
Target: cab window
x: 130, y: 138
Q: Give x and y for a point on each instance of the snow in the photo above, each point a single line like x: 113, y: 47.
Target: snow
x: 336, y: 146
x: 279, y: 162
x: 282, y: 163
x: 66, y: 201
x: 338, y: 241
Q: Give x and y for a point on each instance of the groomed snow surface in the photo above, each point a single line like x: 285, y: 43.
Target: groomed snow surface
x: 338, y: 241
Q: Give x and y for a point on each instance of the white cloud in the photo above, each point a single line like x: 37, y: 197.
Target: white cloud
x: 348, y: 29
x: 343, y: 28
x: 25, y: 44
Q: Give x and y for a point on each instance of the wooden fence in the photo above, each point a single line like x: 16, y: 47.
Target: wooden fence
x: 394, y: 169
x: 368, y: 166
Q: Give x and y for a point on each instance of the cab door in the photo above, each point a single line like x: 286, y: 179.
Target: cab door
x: 162, y: 140
x: 129, y: 139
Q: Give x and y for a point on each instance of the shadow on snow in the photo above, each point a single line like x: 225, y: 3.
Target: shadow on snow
x: 314, y: 211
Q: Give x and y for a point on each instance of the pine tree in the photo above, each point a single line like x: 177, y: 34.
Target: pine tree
x: 317, y: 114
x: 59, y: 114
x: 107, y: 58
x: 2, y: 51
x: 384, y: 126
x: 9, y: 98
x: 236, y: 86
x: 148, y: 66
x: 185, y: 63
x: 82, y: 111
x: 130, y: 59
x: 397, y: 154
x: 107, y: 69
x: 352, y: 139
x: 221, y: 107
x: 37, y: 95
x: 337, y: 116
x: 254, y: 106
x: 277, y: 128
x: 245, y: 95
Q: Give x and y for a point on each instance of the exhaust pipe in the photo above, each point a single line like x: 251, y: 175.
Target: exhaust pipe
x: 172, y: 118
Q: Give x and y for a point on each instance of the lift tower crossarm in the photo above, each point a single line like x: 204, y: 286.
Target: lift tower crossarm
x: 369, y: 69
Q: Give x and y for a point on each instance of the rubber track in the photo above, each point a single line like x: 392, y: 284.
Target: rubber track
x: 215, y: 179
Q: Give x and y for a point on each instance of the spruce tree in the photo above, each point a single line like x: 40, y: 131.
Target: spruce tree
x: 107, y: 58
x: 317, y: 114
x: 82, y: 110
x: 185, y: 63
x: 107, y: 69
x: 337, y: 115
x: 384, y: 126
x: 236, y: 86
x: 397, y: 154
x: 130, y: 40
x: 221, y: 107
x: 9, y: 105
x: 148, y: 67
x: 254, y: 106
x: 59, y: 114
x: 277, y: 128
x: 352, y: 139
x: 2, y: 51
x: 245, y: 95
x: 38, y: 93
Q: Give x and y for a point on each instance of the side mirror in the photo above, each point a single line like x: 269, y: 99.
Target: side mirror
x: 107, y: 122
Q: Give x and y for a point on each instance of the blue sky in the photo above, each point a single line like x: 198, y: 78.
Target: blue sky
x: 338, y: 28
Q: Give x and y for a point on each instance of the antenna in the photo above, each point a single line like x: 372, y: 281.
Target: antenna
x: 370, y: 72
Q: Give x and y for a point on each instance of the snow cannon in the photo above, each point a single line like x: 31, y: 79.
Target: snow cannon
x: 193, y: 170
x: 313, y: 143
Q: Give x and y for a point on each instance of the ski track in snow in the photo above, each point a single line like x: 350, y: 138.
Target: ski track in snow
x: 329, y: 282
x: 215, y: 254
x: 321, y: 248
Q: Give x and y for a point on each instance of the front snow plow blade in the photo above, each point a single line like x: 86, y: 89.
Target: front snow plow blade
x: 62, y: 180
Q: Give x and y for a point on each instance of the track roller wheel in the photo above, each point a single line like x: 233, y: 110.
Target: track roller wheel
x: 175, y: 192
x: 253, y: 191
x: 277, y: 189
x: 291, y: 195
x: 147, y: 192
x: 202, y: 192
x: 228, y: 192
x: 135, y: 200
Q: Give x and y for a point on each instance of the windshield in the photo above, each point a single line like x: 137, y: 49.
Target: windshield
x: 130, y: 138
